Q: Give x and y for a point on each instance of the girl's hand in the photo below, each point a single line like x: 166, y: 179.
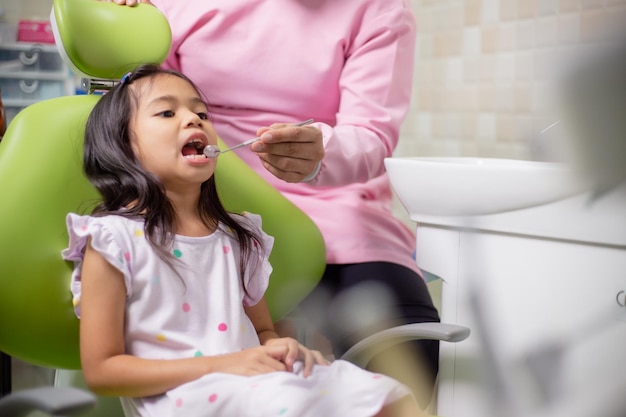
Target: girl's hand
x: 295, y: 351
x: 289, y: 152
x: 253, y: 361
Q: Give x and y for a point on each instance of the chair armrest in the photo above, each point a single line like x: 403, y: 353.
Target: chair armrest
x: 367, y: 348
x: 65, y: 401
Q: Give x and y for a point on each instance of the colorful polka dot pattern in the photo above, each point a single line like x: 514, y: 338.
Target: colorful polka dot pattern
x: 186, y: 306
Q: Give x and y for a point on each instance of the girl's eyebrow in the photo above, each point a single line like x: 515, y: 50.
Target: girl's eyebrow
x: 172, y: 99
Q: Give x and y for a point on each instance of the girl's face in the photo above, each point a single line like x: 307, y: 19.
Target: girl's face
x: 169, y: 130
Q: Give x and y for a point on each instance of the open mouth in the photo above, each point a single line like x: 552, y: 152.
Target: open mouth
x: 193, y: 149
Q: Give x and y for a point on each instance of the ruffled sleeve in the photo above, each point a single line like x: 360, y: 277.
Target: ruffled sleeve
x: 258, y: 269
x: 80, y: 230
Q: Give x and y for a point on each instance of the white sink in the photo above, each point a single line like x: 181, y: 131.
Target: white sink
x: 467, y: 186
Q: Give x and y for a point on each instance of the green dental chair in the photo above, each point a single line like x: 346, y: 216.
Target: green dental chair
x: 41, y: 180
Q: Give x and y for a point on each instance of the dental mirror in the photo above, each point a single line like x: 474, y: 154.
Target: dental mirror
x: 212, y: 151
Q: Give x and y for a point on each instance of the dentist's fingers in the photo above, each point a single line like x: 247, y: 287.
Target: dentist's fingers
x: 127, y: 2
x: 290, y: 152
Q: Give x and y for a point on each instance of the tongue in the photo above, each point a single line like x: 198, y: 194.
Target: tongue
x: 189, y: 150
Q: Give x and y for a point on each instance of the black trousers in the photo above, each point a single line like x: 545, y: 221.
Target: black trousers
x: 355, y: 300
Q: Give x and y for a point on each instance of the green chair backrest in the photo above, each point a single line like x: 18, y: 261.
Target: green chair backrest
x: 41, y: 180
x: 106, y: 41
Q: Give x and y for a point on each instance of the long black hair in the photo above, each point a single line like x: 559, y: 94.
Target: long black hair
x: 128, y: 190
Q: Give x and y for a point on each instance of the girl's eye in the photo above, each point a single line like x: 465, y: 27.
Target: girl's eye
x: 203, y: 116
x: 167, y: 113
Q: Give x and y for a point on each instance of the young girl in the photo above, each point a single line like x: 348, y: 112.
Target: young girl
x: 169, y: 286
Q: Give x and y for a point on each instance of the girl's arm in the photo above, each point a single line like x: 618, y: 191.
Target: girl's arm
x: 109, y: 370
x: 259, y: 315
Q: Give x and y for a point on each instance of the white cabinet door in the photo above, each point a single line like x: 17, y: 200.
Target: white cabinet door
x: 533, y: 292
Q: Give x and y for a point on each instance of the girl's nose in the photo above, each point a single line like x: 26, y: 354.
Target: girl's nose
x: 192, y: 119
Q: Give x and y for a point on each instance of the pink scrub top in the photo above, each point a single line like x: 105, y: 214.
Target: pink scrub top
x: 346, y: 64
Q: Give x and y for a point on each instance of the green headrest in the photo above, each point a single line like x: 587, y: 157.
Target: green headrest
x: 103, y: 40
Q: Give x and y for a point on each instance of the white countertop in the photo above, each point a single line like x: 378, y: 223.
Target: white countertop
x: 601, y: 221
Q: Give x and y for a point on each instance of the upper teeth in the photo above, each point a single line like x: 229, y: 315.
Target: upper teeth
x: 196, y: 142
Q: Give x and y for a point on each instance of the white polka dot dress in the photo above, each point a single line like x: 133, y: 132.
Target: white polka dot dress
x: 199, y: 312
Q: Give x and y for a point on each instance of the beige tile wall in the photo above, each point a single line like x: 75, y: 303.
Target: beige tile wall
x: 487, y: 73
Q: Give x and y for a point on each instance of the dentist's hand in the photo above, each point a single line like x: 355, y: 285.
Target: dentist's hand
x: 128, y: 2
x: 289, y: 152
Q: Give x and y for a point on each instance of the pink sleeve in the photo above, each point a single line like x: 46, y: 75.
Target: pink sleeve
x: 375, y: 93
x: 171, y: 62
